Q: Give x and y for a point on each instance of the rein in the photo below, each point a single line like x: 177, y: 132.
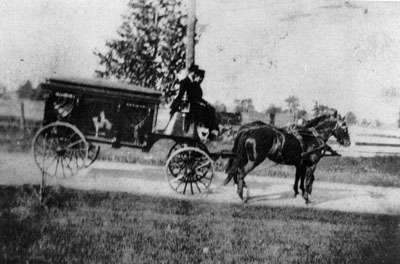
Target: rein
x: 320, y: 140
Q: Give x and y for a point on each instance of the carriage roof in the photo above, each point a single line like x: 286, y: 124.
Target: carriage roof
x: 103, y: 88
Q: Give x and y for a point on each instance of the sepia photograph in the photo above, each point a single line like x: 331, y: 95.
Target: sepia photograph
x: 199, y: 131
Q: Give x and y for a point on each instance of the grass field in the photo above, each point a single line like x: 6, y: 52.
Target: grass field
x: 105, y: 227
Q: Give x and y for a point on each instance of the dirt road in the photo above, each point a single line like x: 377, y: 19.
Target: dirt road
x: 150, y: 180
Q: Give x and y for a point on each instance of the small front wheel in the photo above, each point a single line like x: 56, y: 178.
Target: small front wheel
x: 189, y: 171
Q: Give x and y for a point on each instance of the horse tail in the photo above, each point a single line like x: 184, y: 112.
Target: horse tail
x: 231, y: 161
x: 231, y: 166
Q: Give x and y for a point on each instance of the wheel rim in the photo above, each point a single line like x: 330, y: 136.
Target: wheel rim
x: 189, y: 171
x: 180, y: 145
x: 60, y: 150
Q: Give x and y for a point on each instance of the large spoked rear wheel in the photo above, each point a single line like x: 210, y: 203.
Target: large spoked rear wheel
x: 60, y: 150
x: 189, y: 171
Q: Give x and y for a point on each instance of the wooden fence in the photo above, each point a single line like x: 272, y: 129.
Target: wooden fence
x: 366, y: 142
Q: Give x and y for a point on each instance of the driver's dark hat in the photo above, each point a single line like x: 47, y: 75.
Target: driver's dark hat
x: 201, y: 72
x: 193, y: 68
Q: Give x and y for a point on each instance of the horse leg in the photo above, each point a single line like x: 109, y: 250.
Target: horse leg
x: 240, y: 179
x: 231, y: 175
x: 302, y: 173
x: 299, y: 173
x: 309, y: 179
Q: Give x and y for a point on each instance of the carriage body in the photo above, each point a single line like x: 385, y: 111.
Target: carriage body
x: 105, y: 112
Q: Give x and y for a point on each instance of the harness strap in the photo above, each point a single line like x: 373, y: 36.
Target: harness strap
x: 321, y: 142
x: 295, y: 132
x: 278, y: 143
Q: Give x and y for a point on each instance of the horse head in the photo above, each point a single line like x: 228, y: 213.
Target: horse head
x: 332, y: 125
x: 341, y: 131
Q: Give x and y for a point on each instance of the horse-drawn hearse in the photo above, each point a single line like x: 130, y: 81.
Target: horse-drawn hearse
x: 80, y: 114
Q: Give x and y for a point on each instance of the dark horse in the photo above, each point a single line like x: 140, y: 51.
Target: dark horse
x: 302, y: 148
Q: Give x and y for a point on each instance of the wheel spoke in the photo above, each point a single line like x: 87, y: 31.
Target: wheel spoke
x: 58, y: 160
x: 62, y: 166
x: 191, y: 187
x: 51, y: 162
x: 198, y: 188
x: 203, y: 165
x: 184, y: 190
x: 180, y: 183
x: 74, y: 144
x: 178, y: 179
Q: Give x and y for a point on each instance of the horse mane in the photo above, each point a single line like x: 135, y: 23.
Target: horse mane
x: 315, y: 121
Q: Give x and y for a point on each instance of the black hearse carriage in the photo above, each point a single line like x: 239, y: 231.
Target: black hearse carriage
x: 81, y: 113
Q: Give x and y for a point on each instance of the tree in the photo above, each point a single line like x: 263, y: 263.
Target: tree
x: 293, y: 103
x: 244, y: 106
x: 272, y: 110
x: 25, y: 91
x: 320, y: 109
x: 150, y: 50
x: 365, y: 123
x: 301, y: 113
x: 219, y: 107
x: 351, y: 118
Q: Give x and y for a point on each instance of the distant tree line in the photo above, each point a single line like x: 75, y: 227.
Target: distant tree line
x: 26, y: 91
x: 293, y: 104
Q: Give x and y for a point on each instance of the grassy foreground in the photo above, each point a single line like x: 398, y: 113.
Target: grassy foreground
x: 105, y: 227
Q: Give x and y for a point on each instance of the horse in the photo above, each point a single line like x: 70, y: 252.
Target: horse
x: 302, y: 148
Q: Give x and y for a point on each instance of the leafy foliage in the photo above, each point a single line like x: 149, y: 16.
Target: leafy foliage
x: 293, y: 103
x: 351, y: 118
x: 244, y: 106
x: 151, y: 45
x: 301, y: 114
x: 25, y: 91
x: 272, y: 109
x: 320, y: 109
x: 219, y: 107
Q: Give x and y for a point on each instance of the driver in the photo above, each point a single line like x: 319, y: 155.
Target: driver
x: 206, y: 112
x: 201, y: 110
x: 187, y: 85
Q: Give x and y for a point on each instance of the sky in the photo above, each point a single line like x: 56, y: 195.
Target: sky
x: 342, y: 54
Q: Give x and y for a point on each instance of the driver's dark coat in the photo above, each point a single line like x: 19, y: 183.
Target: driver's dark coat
x: 193, y: 91
x: 200, y: 110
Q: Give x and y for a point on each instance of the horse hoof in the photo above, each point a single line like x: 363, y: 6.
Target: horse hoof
x: 247, y: 196
x: 295, y: 194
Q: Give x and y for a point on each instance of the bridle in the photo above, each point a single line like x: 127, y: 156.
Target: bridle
x: 322, y: 145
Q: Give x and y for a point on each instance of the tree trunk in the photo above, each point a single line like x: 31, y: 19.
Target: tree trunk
x: 22, y: 121
x: 190, y: 33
